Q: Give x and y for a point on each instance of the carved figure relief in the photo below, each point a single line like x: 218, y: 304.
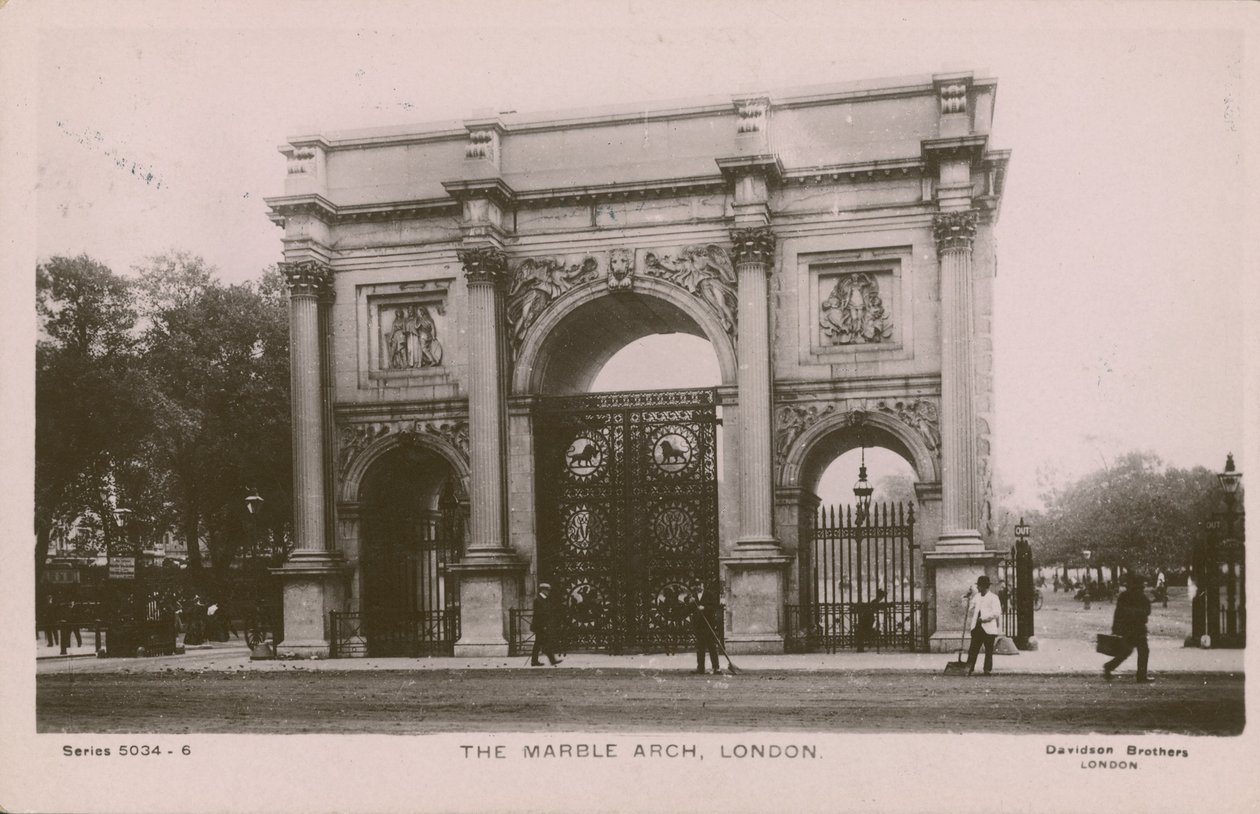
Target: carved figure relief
x: 791, y: 420
x: 411, y: 341
x: 535, y: 283
x: 705, y: 271
x: 920, y: 414
x: 854, y: 313
x: 352, y: 439
x: 621, y: 269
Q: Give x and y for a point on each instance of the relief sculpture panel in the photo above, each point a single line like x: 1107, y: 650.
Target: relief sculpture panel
x: 854, y: 312
x: 410, y: 336
x: 704, y: 271
x: 535, y: 282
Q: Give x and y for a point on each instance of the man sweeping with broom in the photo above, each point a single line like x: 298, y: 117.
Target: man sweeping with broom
x: 703, y: 615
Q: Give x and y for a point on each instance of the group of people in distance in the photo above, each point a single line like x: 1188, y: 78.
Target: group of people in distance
x: 701, y: 614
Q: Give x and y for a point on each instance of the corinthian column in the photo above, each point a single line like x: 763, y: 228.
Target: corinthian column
x: 486, y: 271
x: 754, y: 259
x: 955, y: 232
x: 309, y: 282
x: 313, y: 576
x: 490, y: 572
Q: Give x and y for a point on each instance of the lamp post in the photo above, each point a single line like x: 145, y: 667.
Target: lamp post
x: 862, y: 490
x: 1224, y: 568
x: 1025, y: 638
x: 127, y: 638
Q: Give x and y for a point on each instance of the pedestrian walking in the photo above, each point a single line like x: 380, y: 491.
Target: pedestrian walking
x: 74, y: 622
x: 983, y: 612
x: 867, y: 612
x: 703, y: 614
x: 1129, y: 623
x: 196, y: 622
x: 545, y: 624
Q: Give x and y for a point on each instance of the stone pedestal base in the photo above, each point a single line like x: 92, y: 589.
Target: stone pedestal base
x: 754, y: 606
x: 489, y: 588
x: 953, y: 569
x: 314, y: 585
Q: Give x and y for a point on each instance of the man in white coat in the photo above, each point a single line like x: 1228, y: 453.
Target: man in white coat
x: 983, y: 614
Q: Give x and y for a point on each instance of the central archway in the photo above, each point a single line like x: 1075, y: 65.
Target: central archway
x: 563, y: 352
x: 625, y: 482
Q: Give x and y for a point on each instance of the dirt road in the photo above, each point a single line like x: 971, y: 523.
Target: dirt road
x: 398, y: 702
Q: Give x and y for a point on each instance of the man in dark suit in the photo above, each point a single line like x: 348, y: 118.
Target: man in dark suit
x: 704, y: 624
x: 545, y: 625
x: 1129, y: 623
x: 866, y: 615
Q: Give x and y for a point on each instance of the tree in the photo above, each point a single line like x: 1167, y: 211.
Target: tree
x: 218, y: 359
x: 89, y: 416
x: 1136, y: 513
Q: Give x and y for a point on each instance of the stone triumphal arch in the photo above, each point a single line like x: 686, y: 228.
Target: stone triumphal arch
x: 456, y: 288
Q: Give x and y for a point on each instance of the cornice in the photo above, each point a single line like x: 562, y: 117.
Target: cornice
x: 766, y: 164
x: 394, y: 410
x: 935, y: 149
x: 787, y: 390
x: 494, y: 189
x: 289, y: 206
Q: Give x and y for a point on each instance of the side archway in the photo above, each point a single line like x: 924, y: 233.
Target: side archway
x: 820, y: 444
x: 351, y: 484
x: 566, y: 347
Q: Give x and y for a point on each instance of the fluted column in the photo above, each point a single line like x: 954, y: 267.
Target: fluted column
x: 754, y: 259
x: 314, y: 575
x: 955, y: 234
x: 485, y: 270
x: 309, y: 281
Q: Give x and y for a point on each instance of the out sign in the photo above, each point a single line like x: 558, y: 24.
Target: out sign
x: 1022, y: 531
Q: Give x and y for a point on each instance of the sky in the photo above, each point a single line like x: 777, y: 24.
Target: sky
x: 1121, y: 298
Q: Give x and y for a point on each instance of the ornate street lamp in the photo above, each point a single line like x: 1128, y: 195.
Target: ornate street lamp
x: 1229, y: 479
x: 863, y: 490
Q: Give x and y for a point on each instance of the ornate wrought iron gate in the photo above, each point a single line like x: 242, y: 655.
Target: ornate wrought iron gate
x: 410, y: 608
x: 627, y: 512
x: 843, y: 568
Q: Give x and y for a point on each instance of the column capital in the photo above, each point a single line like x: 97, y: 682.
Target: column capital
x: 954, y: 230
x: 308, y: 278
x: 484, y: 264
x: 753, y: 245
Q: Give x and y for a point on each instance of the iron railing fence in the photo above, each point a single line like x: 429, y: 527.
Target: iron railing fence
x: 828, y: 627
x: 409, y: 634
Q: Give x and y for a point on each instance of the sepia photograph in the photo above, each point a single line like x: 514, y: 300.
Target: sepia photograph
x: 550, y: 406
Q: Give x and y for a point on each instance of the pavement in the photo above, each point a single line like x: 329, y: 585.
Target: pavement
x: 1053, y: 656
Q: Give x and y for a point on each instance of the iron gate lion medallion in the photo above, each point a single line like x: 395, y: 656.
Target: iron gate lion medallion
x: 627, y: 512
